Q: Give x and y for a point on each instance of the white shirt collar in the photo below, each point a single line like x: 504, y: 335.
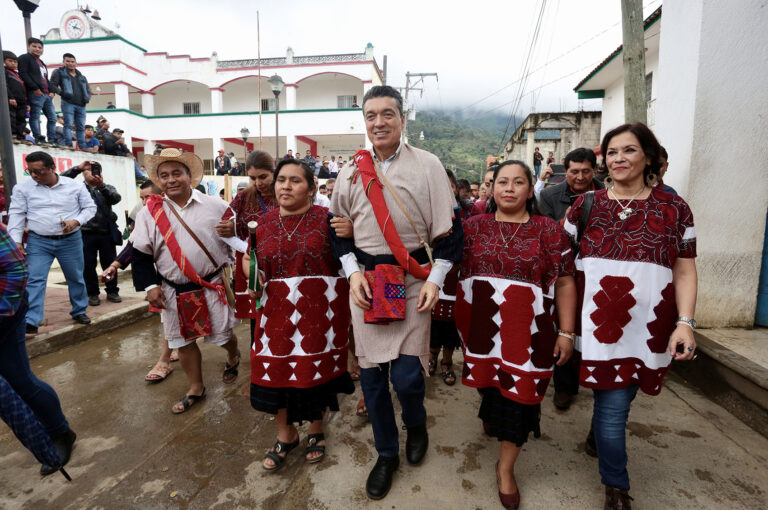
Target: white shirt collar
x: 196, y: 196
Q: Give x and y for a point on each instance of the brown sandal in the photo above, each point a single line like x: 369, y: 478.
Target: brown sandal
x: 230, y: 371
x: 449, y: 377
x: 159, y: 373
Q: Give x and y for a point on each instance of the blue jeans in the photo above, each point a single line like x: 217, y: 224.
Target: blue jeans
x: 14, y: 367
x: 40, y: 254
x: 536, y: 170
x: 609, y: 419
x: 408, y: 383
x: 73, y: 113
x: 42, y: 104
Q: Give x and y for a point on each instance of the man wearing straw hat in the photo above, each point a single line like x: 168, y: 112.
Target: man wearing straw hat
x: 177, y: 258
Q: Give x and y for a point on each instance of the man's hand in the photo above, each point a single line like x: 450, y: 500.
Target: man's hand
x: 108, y: 273
x: 20, y: 246
x: 13, y: 102
x: 342, y: 227
x: 84, y: 166
x: 564, y: 349
x: 50, y: 94
x: 360, y: 290
x: 428, y: 297
x: 547, y: 173
x: 69, y: 226
x: 156, y: 298
x: 37, y: 92
x: 225, y: 228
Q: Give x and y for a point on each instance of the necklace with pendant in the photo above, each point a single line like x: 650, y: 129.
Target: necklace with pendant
x: 505, y: 240
x: 290, y: 234
x: 625, y: 209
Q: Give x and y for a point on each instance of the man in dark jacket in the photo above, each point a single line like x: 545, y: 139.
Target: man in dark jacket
x: 556, y: 202
x: 97, y: 234
x: 17, y: 95
x: 75, y: 93
x: 34, y: 73
x: 222, y: 164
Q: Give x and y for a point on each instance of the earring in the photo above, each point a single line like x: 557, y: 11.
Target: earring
x: 652, y: 180
x: 608, y: 181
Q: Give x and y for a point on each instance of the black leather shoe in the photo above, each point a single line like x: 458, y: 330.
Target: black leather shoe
x: 562, y: 400
x: 416, y: 444
x: 31, y: 330
x: 82, y: 319
x: 94, y: 300
x: 380, y: 477
x: 63, y: 443
x: 114, y: 298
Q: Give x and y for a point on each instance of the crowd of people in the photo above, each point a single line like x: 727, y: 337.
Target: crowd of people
x: 590, y: 282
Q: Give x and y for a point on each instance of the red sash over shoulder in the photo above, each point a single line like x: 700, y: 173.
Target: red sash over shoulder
x: 373, y: 190
x: 155, y: 205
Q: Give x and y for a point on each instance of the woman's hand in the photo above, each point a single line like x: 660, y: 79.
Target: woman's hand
x: 564, y: 349
x: 226, y: 228
x: 255, y: 294
x: 108, y: 273
x: 682, y: 335
x: 360, y: 290
x: 342, y: 227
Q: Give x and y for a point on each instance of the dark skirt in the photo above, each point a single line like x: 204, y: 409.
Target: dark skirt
x: 506, y: 419
x: 444, y: 334
x: 302, y: 403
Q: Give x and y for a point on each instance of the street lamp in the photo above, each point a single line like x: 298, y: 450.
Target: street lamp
x: 276, y: 84
x: 244, y: 133
x: 27, y: 7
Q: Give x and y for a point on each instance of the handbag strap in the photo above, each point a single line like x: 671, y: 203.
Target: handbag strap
x: 197, y: 239
x: 424, y: 243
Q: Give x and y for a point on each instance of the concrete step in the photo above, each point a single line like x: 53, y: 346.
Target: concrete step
x: 732, y: 369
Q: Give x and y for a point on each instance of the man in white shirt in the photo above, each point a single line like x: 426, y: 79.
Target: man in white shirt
x: 333, y: 167
x: 53, y: 208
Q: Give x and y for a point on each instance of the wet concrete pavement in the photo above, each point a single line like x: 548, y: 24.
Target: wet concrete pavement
x: 132, y: 453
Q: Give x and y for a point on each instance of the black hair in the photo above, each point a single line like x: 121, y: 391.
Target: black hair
x: 68, y: 55
x: 323, y: 186
x: 530, y: 204
x: 9, y: 55
x: 581, y: 155
x: 452, y: 178
x: 43, y: 157
x: 309, y: 175
x: 463, y: 184
x: 26, y: 131
x: 663, y: 152
x: 33, y: 40
x: 259, y: 160
x: 88, y: 126
x: 149, y: 184
x: 648, y: 143
x: 385, y: 91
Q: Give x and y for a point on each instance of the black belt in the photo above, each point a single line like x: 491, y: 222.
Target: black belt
x: 189, y: 286
x: 57, y: 237
x: 371, y: 261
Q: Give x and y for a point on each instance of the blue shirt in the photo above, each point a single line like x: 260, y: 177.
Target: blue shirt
x: 89, y: 144
x: 43, y: 209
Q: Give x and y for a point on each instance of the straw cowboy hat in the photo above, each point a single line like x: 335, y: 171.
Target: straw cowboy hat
x: 190, y: 160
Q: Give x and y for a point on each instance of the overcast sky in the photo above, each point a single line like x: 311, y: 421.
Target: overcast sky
x: 477, y: 48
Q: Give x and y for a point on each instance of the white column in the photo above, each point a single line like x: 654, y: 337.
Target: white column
x: 290, y: 143
x: 290, y: 96
x: 217, y: 100
x: 148, y: 103
x: 529, y: 147
x: 122, y: 100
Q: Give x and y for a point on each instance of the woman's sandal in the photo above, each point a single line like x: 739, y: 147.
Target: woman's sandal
x: 187, y: 401
x: 312, y: 447
x: 362, y: 410
x: 432, y: 365
x: 174, y: 355
x: 158, y: 373
x: 230, y: 371
x: 274, y: 454
x: 449, y: 377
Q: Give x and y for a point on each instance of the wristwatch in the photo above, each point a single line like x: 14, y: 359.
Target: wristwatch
x: 687, y: 320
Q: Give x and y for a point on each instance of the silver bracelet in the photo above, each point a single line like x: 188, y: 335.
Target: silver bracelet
x: 687, y: 321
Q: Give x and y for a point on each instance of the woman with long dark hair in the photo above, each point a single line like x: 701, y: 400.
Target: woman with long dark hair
x: 248, y: 205
x: 299, y: 357
x: 636, y: 260
x: 517, y: 264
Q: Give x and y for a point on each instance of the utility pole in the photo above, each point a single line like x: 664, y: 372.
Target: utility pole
x: 408, y: 87
x: 635, y: 102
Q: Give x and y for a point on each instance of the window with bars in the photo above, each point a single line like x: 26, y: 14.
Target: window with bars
x: 268, y: 105
x: 346, y: 101
x: 191, y: 108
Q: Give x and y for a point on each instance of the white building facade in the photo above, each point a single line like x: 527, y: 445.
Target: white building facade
x: 201, y: 104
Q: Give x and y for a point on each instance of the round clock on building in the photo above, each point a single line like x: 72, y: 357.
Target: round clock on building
x: 75, y: 26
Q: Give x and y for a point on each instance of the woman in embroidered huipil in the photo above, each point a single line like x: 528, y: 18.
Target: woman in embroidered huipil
x: 299, y: 355
x: 248, y: 205
x: 516, y: 283
x: 636, y: 263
